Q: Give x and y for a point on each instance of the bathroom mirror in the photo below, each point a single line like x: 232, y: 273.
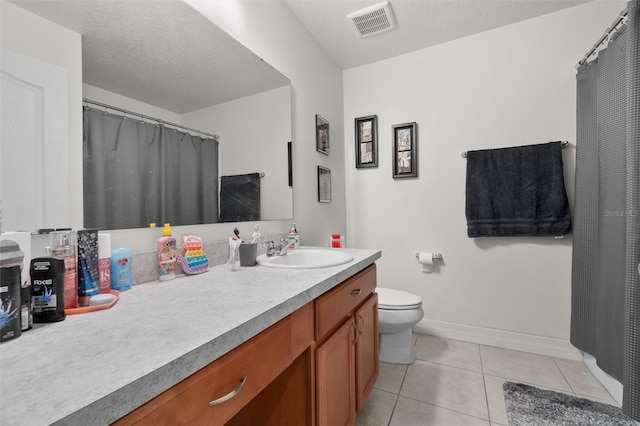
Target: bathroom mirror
x: 165, y: 60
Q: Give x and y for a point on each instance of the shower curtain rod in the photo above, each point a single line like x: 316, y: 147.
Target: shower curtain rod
x: 564, y: 144
x: 146, y: 117
x: 605, y: 37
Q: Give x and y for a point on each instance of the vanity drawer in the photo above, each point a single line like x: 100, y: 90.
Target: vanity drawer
x: 339, y: 303
x: 257, y: 362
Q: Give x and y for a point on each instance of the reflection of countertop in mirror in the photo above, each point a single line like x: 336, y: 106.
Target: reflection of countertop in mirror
x: 94, y: 368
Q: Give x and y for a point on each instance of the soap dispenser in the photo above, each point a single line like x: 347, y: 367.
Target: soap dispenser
x: 167, y: 255
x: 294, y: 238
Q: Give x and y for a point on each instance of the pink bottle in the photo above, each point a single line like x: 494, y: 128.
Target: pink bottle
x: 167, y: 255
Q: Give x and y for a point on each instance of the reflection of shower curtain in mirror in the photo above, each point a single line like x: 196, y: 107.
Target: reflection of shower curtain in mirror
x: 136, y: 173
x: 605, y: 317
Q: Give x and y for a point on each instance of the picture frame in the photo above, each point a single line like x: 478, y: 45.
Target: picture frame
x: 405, y: 150
x: 290, y: 163
x: 366, y: 141
x: 322, y: 135
x: 324, y: 185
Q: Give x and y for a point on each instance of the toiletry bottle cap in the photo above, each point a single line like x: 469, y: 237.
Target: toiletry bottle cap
x: 166, y: 232
x: 152, y: 225
x: 293, y: 228
x: 335, y: 235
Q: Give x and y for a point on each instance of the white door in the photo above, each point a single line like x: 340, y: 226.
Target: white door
x: 34, y: 153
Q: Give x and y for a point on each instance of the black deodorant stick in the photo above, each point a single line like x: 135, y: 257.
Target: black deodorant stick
x: 47, y: 282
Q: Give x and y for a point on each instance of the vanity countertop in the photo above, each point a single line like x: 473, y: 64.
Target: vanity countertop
x: 93, y: 368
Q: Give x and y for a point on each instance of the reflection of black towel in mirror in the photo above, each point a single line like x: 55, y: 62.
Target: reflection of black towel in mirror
x: 517, y: 191
x: 240, y: 198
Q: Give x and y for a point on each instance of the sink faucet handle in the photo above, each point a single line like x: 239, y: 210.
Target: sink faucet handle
x: 271, y: 248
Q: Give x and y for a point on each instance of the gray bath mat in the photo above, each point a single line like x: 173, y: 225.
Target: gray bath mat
x: 529, y: 406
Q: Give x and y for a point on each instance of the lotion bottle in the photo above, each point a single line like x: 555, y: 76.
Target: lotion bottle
x: 167, y: 255
x: 294, y: 238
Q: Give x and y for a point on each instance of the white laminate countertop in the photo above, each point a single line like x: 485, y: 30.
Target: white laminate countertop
x: 93, y: 368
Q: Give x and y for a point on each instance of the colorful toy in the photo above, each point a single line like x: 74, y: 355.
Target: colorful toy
x: 194, y: 260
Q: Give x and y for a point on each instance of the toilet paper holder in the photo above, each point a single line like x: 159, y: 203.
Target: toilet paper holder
x: 434, y: 256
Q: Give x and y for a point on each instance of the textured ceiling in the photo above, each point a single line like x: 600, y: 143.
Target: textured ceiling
x: 161, y: 52
x: 420, y: 23
x: 165, y: 53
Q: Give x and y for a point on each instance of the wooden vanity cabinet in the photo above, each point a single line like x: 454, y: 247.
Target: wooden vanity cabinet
x: 347, y: 363
x: 315, y: 366
x: 278, y: 358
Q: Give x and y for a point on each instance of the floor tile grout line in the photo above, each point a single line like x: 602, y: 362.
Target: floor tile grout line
x: 484, y: 382
x: 444, y: 408
x: 395, y: 404
x: 564, y: 376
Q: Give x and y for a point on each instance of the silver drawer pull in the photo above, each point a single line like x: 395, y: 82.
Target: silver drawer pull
x: 356, y: 292
x: 230, y: 394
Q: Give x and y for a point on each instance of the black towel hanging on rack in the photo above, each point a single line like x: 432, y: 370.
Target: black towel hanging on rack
x: 517, y: 191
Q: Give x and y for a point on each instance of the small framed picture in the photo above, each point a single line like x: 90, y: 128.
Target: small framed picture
x: 324, y: 185
x: 405, y: 150
x: 322, y: 135
x: 366, y: 141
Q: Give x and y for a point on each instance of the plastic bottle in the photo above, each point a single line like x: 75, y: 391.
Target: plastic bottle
x: 63, y: 245
x: 337, y: 241
x: 121, y: 269
x: 104, y: 262
x: 26, y: 310
x: 87, y: 266
x: 47, y: 278
x: 294, y: 237
x: 10, y: 303
x: 167, y: 255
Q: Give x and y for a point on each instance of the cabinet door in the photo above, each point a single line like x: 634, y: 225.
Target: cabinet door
x: 367, y: 362
x: 335, y: 377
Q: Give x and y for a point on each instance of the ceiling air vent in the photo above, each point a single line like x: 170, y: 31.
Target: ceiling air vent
x: 373, y: 19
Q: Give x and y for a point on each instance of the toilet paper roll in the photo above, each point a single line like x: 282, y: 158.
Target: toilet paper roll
x: 426, y: 260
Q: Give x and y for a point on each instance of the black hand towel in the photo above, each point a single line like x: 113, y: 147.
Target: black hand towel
x: 240, y: 198
x: 517, y: 191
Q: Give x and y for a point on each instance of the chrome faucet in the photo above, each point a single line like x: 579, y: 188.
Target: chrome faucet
x: 285, y: 243
x: 278, y: 249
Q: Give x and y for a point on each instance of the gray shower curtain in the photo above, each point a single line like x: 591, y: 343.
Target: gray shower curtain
x: 606, y: 245
x: 136, y: 173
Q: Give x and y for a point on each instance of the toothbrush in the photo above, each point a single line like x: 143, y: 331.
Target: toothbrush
x: 256, y: 234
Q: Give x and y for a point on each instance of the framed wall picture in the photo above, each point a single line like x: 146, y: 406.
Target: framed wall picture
x: 322, y: 135
x: 324, y: 185
x: 405, y: 150
x: 366, y: 141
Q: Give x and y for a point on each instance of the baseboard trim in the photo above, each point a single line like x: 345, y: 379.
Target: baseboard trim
x: 540, y: 345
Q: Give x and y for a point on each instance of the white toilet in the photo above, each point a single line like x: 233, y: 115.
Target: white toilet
x: 398, y: 312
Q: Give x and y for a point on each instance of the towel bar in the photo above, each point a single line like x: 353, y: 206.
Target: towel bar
x: 564, y: 144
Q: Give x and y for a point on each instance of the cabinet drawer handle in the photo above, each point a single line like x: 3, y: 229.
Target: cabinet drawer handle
x: 361, y: 324
x: 356, y: 292
x: 230, y: 394
x: 355, y: 332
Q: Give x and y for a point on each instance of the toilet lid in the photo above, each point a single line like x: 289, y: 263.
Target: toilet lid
x: 397, y: 299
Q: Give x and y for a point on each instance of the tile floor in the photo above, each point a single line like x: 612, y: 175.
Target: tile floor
x: 454, y: 383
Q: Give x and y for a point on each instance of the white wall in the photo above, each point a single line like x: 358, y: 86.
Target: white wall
x: 28, y: 34
x: 510, y: 86
x: 254, y: 132
x: 271, y: 31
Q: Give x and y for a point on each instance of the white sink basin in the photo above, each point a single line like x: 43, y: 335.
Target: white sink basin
x: 306, y: 259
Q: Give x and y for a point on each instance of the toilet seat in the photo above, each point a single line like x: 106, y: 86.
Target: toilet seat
x: 397, y: 300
